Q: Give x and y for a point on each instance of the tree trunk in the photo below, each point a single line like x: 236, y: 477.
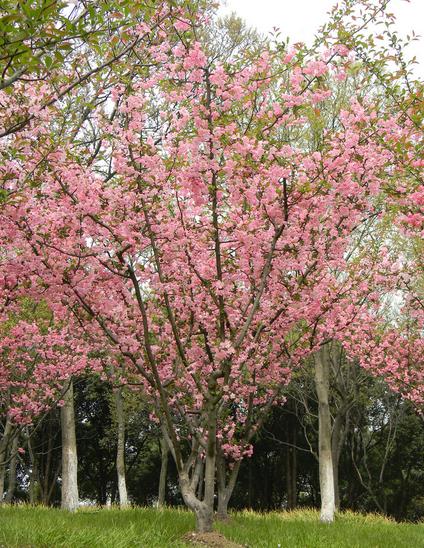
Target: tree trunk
x: 47, y: 464
x: 33, y: 485
x: 222, y: 510
x: 11, y: 483
x: 336, y: 483
x: 205, y: 516
x: 225, y: 488
x: 291, y: 483
x: 33, y: 475
x: 336, y: 447
x: 326, y: 477
x: 69, y: 451
x: 250, y: 485
x: 201, y: 481
x: 164, y: 449
x: 204, y: 519
x: 291, y: 461
x: 2, y: 476
x: 120, y: 451
x: 203, y: 509
x: 3, y: 455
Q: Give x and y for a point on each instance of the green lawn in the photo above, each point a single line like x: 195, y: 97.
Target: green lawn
x: 27, y: 527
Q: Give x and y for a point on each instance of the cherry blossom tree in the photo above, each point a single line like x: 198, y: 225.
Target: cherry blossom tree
x: 200, y: 241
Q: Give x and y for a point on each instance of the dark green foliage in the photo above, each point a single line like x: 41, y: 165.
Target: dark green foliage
x: 380, y: 466
x: 95, y: 440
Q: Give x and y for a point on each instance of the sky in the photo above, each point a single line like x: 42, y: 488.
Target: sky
x: 300, y: 19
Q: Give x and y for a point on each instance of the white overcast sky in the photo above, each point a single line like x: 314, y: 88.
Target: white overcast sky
x: 300, y: 19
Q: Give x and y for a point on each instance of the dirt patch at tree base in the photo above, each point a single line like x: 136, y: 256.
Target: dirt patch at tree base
x: 212, y: 540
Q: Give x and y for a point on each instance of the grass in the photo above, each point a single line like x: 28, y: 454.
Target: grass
x: 38, y: 527
x: 302, y: 529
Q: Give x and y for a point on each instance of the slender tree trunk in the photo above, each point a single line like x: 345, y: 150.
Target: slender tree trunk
x: 11, y: 483
x: 294, y: 479
x: 33, y: 484
x: 264, y: 491
x: 225, y: 487
x: 269, y: 485
x: 291, y: 472
x: 4, y: 442
x: 33, y: 479
x: 250, y: 485
x: 222, y: 510
x: 33, y: 475
x: 113, y: 492
x: 336, y: 447
x: 2, y: 476
x: 53, y: 483
x: 69, y: 452
x: 204, y: 519
x: 48, y: 463
x: 164, y: 449
x: 326, y: 476
x: 120, y: 451
x: 291, y: 462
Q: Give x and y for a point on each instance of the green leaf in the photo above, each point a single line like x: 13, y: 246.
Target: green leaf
x: 48, y: 61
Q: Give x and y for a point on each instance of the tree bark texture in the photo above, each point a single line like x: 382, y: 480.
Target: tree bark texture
x: 164, y: 449
x: 4, y: 442
x: 11, y: 477
x: 226, y: 483
x: 120, y: 449
x: 326, y: 474
x: 69, y: 451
